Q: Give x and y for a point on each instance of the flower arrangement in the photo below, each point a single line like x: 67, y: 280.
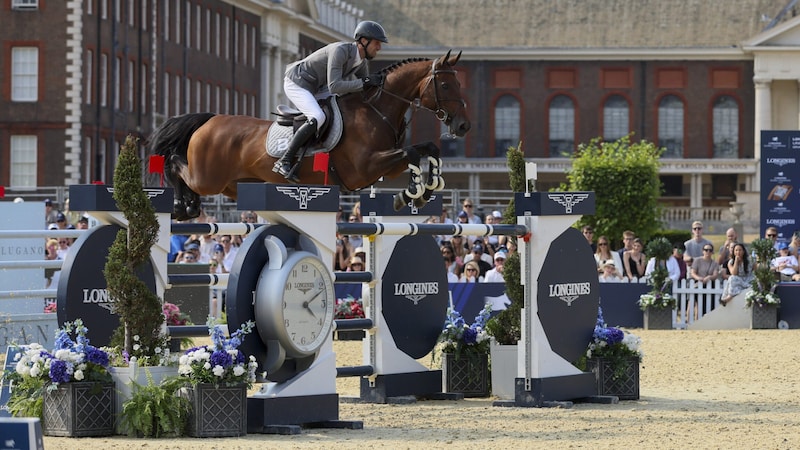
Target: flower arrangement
x: 51, y: 308
x: 613, y: 344
x: 38, y: 369
x: 656, y: 299
x: 659, y: 297
x: 348, y: 308
x: 221, y: 362
x: 174, y: 315
x: 763, y: 285
x: 457, y: 337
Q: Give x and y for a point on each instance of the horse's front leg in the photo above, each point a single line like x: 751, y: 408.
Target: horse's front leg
x: 433, y: 179
x: 415, y: 188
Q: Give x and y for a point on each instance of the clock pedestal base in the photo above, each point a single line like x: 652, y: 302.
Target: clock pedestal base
x: 421, y: 384
x: 288, y: 415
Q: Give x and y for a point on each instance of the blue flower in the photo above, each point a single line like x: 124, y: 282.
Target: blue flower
x: 59, y: 371
x: 96, y: 356
x: 221, y: 358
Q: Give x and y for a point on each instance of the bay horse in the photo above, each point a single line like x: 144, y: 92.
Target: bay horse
x: 207, y: 154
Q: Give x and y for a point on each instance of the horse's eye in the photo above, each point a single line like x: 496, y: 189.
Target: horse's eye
x: 445, y: 86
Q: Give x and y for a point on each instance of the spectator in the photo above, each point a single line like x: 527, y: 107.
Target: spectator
x: 354, y: 239
x: 188, y: 258
x: 356, y: 264
x: 477, y: 255
x: 493, y: 241
x: 723, y: 268
x: 694, y: 246
x: 604, y: 254
x: 609, y: 272
x: 63, y: 247
x: 673, y: 269
x: 725, y: 249
x: 230, y: 251
x: 741, y: 273
x: 472, y: 273
x: 343, y: 253
x: 704, y: 270
x: 445, y: 217
x: 459, y: 250
x: 468, y: 207
x: 677, y: 253
x: 193, y: 248
x: 217, y: 262
x: 794, y: 246
x: 588, y: 233
x: 448, y: 263
x: 495, y: 275
x: 634, y: 261
x: 83, y: 222
x: 50, y: 213
x: 249, y: 217
x: 447, y: 253
x: 785, y: 264
x: 61, y: 221
x: 359, y: 251
x: 356, y: 211
x: 627, y: 242
x: 772, y: 234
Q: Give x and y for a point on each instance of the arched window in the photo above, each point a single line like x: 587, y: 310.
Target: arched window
x: 616, y: 118
x: 670, y: 126
x: 726, y: 128
x: 562, y: 126
x: 506, y: 124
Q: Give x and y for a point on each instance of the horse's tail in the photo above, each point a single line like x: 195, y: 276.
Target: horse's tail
x: 171, y: 141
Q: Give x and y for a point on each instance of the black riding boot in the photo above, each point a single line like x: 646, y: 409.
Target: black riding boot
x: 284, y: 165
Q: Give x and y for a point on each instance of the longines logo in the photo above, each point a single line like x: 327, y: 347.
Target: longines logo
x: 780, y: 162
x: 569, y: 292
x: 151, y: 192
x: 568, y: 200
x: 304, y: 287
x: 99, y: 297
x: 303, y: 194
x: 780, y: 222
x: 416, y: 291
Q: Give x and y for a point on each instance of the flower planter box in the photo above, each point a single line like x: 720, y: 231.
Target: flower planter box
x: 350, y: 335
x: 764, y: 317
x: 79, y: 409
x: 467, y: 374
x: 658, y: 318
x: 217, y: 411
x: 625, y: 387
x: 123, y: 376
x: 504, y: 370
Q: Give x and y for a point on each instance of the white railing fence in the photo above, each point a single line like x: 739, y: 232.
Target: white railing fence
x: 695, y: 299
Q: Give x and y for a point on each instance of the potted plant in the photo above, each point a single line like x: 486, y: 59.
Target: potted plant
x: 140, y: 340
x: 155, y: 410
x: 505, y: 328
x: 761, y: 298
x: 69, y: 388
x: 218, y: 375
x: 613, y: 356
x: 658, y: 304
x: 349, y: 308
x: 465, y: 353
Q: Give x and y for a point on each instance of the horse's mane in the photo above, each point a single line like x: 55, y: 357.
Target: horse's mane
x: 394, y: 66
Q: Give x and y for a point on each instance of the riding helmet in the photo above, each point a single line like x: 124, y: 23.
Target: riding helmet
x: 370, y: 30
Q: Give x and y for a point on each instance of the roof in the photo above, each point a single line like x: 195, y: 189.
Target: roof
x: 575, y: 24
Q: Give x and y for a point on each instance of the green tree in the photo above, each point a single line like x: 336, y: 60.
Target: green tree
x: 624, y: 178
x: 138, y: 308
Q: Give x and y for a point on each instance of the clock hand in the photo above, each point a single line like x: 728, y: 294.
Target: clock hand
x: 305, y: 305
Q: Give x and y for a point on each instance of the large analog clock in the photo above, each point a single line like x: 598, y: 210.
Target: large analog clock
x: 295, y: 301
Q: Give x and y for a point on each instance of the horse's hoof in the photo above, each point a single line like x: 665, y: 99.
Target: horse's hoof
x: 192, y: 212
x: 399, y: 203
x: 419, y: 202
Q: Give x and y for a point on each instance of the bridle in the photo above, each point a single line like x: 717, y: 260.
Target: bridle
x: 416, y: 103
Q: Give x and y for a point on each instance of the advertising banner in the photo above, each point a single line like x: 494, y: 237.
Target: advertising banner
x: 780, y: 178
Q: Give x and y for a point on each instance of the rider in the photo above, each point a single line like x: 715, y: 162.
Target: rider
x: 337, y: 68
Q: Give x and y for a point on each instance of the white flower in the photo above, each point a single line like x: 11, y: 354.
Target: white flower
x: 183, y: 360
x: 157, y: 350
x: 207, y: 365
x: 185, y: 369
x: 35, y: 371
x: 136, y: 337
x: 136, y: 347
x: 218, y: 371
x: 78, y: 375
x: 238, y: 370
x: 23, y: 368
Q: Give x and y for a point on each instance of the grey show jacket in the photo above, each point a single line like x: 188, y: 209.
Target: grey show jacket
x: 332, y: 65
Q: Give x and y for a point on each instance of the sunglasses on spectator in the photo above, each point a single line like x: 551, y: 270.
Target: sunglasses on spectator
x: 772, y: 235
x: 467, y: 206
x: 708, y: 249
x: 697, y: 228
x: 472, y: 270
x: 62, y: 242
x: 602, y: 243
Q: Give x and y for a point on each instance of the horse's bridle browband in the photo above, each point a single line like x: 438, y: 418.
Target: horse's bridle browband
x: 440, y: 113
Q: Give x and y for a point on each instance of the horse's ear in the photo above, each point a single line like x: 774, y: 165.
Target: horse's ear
x: 443, y: 59
x: 455, y: 59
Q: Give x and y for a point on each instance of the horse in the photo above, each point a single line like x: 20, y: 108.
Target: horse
x: 207, y: 154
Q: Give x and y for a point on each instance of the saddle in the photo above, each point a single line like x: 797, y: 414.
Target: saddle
x: 289, y: 119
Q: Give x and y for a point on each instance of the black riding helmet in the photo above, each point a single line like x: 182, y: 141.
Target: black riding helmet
x: 370, y: 30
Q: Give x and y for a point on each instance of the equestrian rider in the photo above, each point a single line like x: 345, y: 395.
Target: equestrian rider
x: 337, y: 68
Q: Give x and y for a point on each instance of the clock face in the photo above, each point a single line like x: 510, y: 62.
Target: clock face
x: 308, y: 302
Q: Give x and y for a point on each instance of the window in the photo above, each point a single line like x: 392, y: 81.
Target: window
x: 131, y: 85
x: 726, y: 127
x: 616, y: 118
x: 216, y: 34
x: 117, y: 75
x: 562, y: 126
x: 165, y: 96
x: 177, y: 93
x: 226, y: 40
x: 670, y: 126
x: 198, y: 22
x: 103, y: 80
x: 506, y: 124
x: 143, y: 90
x: 24, y: 74
x: 89, y: 77
x: 25, y: 4
x: 23, y: 161
x: 178, y: 30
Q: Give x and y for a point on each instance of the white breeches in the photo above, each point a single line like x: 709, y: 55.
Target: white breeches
x: 305, y: 101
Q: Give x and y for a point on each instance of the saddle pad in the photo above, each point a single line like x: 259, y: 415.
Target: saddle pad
x: 279, y: 136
